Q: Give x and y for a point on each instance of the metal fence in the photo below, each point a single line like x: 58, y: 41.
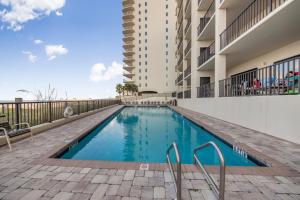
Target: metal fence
x: 254, y: 13
x: 281, y: 78
x: 39, y: 112
x: 206, y: 90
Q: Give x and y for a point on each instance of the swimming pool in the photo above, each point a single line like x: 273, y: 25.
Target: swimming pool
x: 143, y: 134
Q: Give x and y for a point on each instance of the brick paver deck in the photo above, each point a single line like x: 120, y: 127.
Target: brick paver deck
x: 20, y: 178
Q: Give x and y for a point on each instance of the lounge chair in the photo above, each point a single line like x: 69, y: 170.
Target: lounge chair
x: 8, y: 131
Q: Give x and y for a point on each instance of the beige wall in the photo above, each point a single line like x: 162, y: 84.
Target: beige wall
x: 274, y: 115
x: 267, y: 59
x: 160, y: 73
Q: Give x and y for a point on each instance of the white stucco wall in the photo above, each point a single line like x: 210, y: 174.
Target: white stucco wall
x: 278, y: 116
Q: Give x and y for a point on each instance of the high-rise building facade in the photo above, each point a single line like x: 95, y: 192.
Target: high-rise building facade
x: 149, y: 44
x: 239, y: 61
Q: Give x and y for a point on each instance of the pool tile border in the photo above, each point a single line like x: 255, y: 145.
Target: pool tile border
x: 275, y: 169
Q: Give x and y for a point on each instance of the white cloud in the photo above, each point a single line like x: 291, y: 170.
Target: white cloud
x: 53, y: 51
x: 30, y: 56
x: 58, y: 13
x: 38, y: 41
x: 101, y: 73
x: 18, y: 12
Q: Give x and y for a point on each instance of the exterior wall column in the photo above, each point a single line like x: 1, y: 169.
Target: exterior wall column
x: 194, y: 49
x: 220, y: 60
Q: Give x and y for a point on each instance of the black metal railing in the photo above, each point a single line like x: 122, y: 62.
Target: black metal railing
x: 187, y: 71
x: 179, y: 78
x: 180, y: 60
x: 174, y: 94
x: 187, y: 48
x: 188, y: 3
x: 180, y: 27
x: 180, y: 95
x: 179, y: 44
x: 39, y: 112
x: 187, y: 94
x: 206, y: 90
x: 180, y: 8
x: 254, y: 13
x: 187, y: 25
x: 205, y: 19
x: 281, y: 78
x: 206, y: 54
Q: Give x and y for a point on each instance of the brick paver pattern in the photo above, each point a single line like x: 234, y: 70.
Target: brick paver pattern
x: 20, y: 179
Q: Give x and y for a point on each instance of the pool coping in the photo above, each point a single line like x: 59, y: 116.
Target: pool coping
x: 275, y: 168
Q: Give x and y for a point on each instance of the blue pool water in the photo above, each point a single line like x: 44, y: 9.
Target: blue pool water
x: 143, y: 134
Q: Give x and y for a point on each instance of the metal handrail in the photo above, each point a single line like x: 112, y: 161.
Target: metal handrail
x: 178, y: 159
x: 219, y: 190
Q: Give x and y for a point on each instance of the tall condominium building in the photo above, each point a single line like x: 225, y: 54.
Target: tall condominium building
x: 149, y: 44
x: 238, y: 60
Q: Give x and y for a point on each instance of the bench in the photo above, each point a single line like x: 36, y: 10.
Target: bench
x: 10, y: 131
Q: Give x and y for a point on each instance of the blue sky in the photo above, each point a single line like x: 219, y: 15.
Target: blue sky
x: 74, y: 45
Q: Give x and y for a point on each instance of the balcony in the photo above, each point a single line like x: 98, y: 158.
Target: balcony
x: 179, y: 63
x: 262, y: 27
x: 128, y: 75
x: 206, y: 90
x: 187, y: 49
x: 187, y: 94
x: 187, y: 27
x: 179, y: 79
x: 253, y: 14
x: 128, y: 8
x: 207, y: 18
x: 187, y: 9
x: 180, y: 95
x: 128, y: 31
x: 187, y: 72
x: 128, y: 45
x: 281, y: 78
x: 206, y: 55
x: 128, y: 2
x: 128, y: 68
x: 128, y: 24
x: 179, y: 10
x: 203, y: 5
x: 128, y: 53
x: 128, y: 80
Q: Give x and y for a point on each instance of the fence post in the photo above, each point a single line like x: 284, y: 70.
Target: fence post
x: 18, y: 102
x: 50, y: 111
x: 78, y: 107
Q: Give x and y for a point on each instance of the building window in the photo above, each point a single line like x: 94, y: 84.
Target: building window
x: 146, y: 85
x: 145, y: 3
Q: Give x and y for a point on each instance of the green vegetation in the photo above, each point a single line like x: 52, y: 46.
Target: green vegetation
x: 128, y: 88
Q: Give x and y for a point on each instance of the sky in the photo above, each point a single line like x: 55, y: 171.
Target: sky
x: 73, y: 45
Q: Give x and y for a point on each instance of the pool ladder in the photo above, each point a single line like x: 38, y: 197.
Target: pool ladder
x: 219, y: 190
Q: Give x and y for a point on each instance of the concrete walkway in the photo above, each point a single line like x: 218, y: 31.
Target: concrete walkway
x: 20, y: 179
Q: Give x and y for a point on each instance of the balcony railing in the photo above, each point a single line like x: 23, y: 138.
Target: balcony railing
x: 281, y: 78
x: 40, y: 112
x: 206, y: 54
x: 179, y: 78
x: 180, y: 95
x: 254, y: 13
x: 187, y: 26
x: 187, y: 48
x: 187, y: 94
x: 187, y: 72
x: 208, y: 15
x: 206, y: 90
x: 180, y: 60
x: 188, y: 3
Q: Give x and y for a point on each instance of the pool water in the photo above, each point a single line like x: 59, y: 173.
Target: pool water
x: 143, y: 134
